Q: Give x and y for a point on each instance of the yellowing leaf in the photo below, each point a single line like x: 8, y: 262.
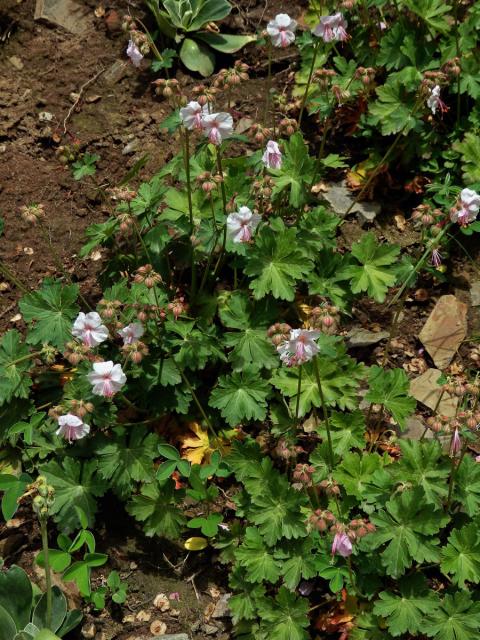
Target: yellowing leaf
x: 196, y: 448
x: 195, y: 544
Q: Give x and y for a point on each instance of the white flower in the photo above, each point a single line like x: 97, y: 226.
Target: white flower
x: 301, y: 347
x: 217, y: 126
x: 132, y: 332
x: 106, y: 378
x: 434, y: 101
x: 241, y: 224
x: 133, y: 52
x: 272, y: 158
x: 192, y: 115
x: 467, y: 208
x: 89, y: 328
x: 332, y: 28
x: 71, y: 427
x: 282, y: 30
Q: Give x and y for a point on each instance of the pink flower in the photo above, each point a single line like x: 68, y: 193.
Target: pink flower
x: 467, y: 209
x: 382, y: 25
x: 282, y: 30
x: 434, y: 101
x: 217, y: 126
x: 477, y: 458
x: 301, y: 347
x: 272, y: 158
x: 332, y: 28
x: 174, y: 596
x: 106, y: 378
x: 192, y: 115
x: 133, y: 52
x: 436, y: 258
x: 456, y: 444
x: 241, y: 225
x: 132, y: 332
x: 89, y: 329
x: 71, y: 427
x: 341, y: 545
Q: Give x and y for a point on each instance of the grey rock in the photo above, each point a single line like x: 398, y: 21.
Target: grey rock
x: 115, y: 72
x: 45, y: 116
x: 210, y: 629
x: 358, y: 337
x: 340, y: 199
x: 63, y: 13
x: 172, y: 636
x: 475, y: 293
x: 445, y: 330
x: 426, y: 390
x: 414, y: 428
x: 3, y: 148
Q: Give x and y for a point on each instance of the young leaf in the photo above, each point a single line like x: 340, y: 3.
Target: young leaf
x: 276, y: 263
x: 76, y: 483
x: 458, y: 618
x: 295, y: 173
x: 257, y: 559
x: 14, y: 379
x: 154, y: 506
x: 375, y: 272
x: 240, y: 397
x: 284, y: 618
x: 405, y: 612
x: 461, y: 556
x: 127, y: 458
x: 391, y: 389
x: 405, y: 526
x: 50, y: 311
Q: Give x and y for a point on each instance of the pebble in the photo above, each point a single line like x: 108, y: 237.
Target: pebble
x: 88, y: 630
x: 45, y: 116
x: 131, y: 147
x: 16, y: 63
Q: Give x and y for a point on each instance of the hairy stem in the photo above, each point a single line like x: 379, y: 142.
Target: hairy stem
x: 325, y: 413
x: 309, y: 80
x: 48, y: 576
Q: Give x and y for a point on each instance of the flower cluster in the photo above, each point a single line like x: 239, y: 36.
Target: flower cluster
x: 344, y: 535
x: 241, y: 225
x: 282, y: 30
x: 300, y: 347
x: 467, y: 207
x: 216, y: 126
x: 332, y: 28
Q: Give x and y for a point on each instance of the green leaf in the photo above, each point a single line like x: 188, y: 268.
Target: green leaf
x: 405, y: 526
x: 276, y: 264
x: 257, y: 559
x: 50, y: 313
x: 241, y: 396
x: 392, y: 110
x: 155, y: 507
x: 223, y: 42
x: 15, y: 581
x: 375, y: 273
x: 295, y: 174
x: 79, y: 572
x: 286, y: 617
x: 197, y: 57
x: 59, y: 611
x: 243, y: 604
x: 458, y: 618
x: 467, y: 486
x: 356, y: 471
x: 59, y: 560
x: 391, y: 390
x: 86, y: 166
x: 14, y: 379
x: 208, y: 526
x: 469, y: 149
x: 423, y: 465
x: 195, y: 346
x: 461, y: 556
x: 432, y: 12
x: 300, y: 563
x: 76, y: 484
x: 72, y: 619
x: 405, y: 612
x: 347, y: 431
x: 127, y: 458
x: 13, y: 488
x: 7, y: 625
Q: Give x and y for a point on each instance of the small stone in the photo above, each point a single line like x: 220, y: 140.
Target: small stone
x: 74, y: 97
x: 16, y: 63
x: 358, y: 337
x: 426, y: 390
x: 368, y: 212
x: 475, y: 293
x: 100, y: 635
x: 445, y: 329
x: 173, y: 636
x: 3, y: 148
x: 210, y: 629
x: 16, y: 318
x: 131, y: 147
x: 133, y: 566
x: 414, y: 428
x: 115, y: 72
x: 161, y: 602
x: 5, y: 286
x: 88, y: 630
x: 143, y: 616
x: 340, y: 199
x: 158, y: 628
x: 221, y: 609
x: 128, y: 619
x: 45, y: 116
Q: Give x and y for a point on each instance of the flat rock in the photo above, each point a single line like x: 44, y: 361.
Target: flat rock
x: 414, y: 428
x: 340, y: 199
x: 172, y: 636
x: 426, y: 390
x: 445, y: 329
x: 475, y: 293
x: 63, y: 13
x: 16, y: 62
x: 358, y: 337
x: 221, y: 607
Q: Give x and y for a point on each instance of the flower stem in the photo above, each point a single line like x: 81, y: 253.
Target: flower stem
x: 24, y: 358
x: 6, y: 273
x: 299, y: 389
x: 269, y: 85
x: 186, y: 159
x: 325, y: 413
x: 453, y: 475
x: 309, y: 80
x: 48, y: 576
x: 197, y: 401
